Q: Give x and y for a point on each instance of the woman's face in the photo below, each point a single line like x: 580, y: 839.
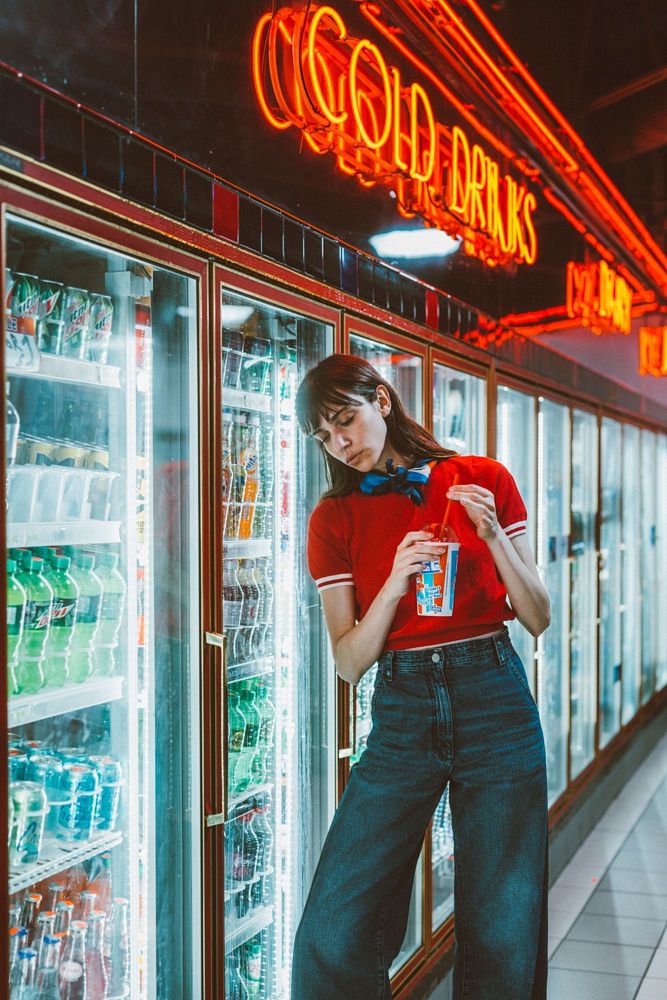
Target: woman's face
x: 356, y: 435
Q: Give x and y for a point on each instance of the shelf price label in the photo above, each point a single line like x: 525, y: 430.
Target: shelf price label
x: 21, y: 349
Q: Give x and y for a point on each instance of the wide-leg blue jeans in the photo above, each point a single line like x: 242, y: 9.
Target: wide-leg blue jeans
x: 461, y: 714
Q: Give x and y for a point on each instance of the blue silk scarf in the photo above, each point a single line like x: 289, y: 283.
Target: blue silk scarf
x: 411, y: 482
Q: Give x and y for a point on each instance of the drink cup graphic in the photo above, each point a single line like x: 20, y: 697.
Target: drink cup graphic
x: 436, y: 582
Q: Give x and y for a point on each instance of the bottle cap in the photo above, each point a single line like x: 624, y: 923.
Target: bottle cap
x: 85, y: 561
x: 11, y: 566
x: 110, y: 559
x: 61, y: 562
x: 36, y: 564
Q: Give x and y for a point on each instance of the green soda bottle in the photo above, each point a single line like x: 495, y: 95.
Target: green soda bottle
x: 87, y: 618
x: 267, y: 724
x: 16, y: 601
x: 251, y: 738
x: 36, y: 626
x: 63, y: 622
x: 236, y: 727
x: 111, y: 614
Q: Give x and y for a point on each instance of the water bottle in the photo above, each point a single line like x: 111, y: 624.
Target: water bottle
x: 36, y: 627
x: 117, y: 952
x: 16, y: 601
x: 12, y: 427
x: 111, y: 614
x: 63, y: 622
x: 87, y: 619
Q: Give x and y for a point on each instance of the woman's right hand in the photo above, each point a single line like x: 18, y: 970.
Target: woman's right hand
x: 415, y: 549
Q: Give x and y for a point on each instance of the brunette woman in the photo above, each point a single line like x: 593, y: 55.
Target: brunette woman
x: 451, y: 702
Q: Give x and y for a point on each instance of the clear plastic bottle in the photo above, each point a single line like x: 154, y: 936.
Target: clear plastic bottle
x: 12, y: 428
x: 249, y: 459
x: 63, y: 622
x: 251, y: 736
x: 36, y: 627
x: 117, y: 952
x: 16, y: 601
x: 111, y: 615
x: 88, y: 617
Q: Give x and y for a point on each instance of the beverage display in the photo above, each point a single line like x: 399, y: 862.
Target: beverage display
x: 99, y: 440
x: 436, y: 583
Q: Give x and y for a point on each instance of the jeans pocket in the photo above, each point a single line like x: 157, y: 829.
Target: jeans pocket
x: 514, y: 663
x: 380, y: 678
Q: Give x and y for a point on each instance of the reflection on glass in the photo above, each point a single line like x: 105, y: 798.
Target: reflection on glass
x: 459, y: 410
x: 404, y: 372
x: 553, y: 466
x: 648, y: 563
x: 630, y: 574
x: 661, y: 595
x: 583, y: 590
x: 102, y: 536
x: 610, y: 580
x: 442, y: 853
x: 515, y: 448
x: 271, y: 823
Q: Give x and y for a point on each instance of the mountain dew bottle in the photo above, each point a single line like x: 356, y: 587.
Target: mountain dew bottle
x: 111, y: 613
x: 251, y: 735
x: 16, y: 601
x: 36, y: 626
x: 63, y: 622
x: 87, y: 618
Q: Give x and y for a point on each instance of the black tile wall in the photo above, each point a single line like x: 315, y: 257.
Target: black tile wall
x: 314, y: 254
x: 137, y: 172
x: 20, y: 118
x: 332, y: 273
x: 63, y: 137
x: 272, y: 235
x: 250, y: 224
x: 349, y: 271
x: 169, y: 186
x: 293, y: 244
x: 101, y: 155
x: 198, y: 199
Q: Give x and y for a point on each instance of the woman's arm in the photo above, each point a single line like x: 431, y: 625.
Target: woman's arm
x: 357, y: 647
x: 514, y: 560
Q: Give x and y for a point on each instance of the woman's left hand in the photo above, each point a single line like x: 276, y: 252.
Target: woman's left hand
x: 480, y: 506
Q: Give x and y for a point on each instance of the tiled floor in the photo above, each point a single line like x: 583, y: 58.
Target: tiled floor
x: 608, y: 908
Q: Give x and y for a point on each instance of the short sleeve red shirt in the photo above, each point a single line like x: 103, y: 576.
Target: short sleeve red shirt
x: 352, y: 542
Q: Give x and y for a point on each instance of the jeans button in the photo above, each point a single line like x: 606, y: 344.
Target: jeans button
x: 436, y: 657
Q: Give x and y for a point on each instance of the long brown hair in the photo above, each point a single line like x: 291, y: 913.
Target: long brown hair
x: 331, y: 385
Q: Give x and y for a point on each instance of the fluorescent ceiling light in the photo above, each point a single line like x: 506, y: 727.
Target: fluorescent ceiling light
x: 234, y: 316
x: 414, y: 243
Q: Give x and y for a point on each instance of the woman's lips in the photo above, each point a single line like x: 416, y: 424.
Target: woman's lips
x: 354, y: 458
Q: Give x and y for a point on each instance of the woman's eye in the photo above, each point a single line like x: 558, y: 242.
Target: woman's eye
x: 344, y: 423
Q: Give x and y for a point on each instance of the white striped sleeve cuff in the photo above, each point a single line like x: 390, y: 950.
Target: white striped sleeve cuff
x: 339, y: 580
x: 516, y: 529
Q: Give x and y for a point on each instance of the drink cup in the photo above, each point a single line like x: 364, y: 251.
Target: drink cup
x: 436, y: 582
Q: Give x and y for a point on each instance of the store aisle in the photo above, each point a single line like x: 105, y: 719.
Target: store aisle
x: 608, y: 908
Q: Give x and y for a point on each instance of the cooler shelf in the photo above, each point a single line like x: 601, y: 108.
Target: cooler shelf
x: 24, y: 708
x: 68, y: 533
x: 247, y: 928
x: 248, y: 548
x: 252, y: 668
x: 238, y: 399
x: 59, y: 369
x: 56, y: 855
x: 249, y: 793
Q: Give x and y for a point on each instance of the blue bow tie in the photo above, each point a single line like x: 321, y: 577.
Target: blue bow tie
x: 411, y: 482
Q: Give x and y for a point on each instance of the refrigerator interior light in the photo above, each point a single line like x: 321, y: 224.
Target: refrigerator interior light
x: 234, y: 316
x: 414, y: 244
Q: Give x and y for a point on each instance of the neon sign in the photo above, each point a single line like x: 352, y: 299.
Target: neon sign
x: 653, y: 350
x: 598, y: 296
x: 347, y: 100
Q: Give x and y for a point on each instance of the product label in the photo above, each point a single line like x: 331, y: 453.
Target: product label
x: 112, y: 606
x: 63, y: 612
x: 236, y: 740
x: 37, y: 615
x: 14, y: 614
x: 70, y: 971
x: 89, y: 609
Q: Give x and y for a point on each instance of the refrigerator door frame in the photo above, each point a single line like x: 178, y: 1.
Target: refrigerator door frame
x: 41, y: 208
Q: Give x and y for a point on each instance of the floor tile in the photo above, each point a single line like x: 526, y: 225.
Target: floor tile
x: 552, y: 944
x: 638, y: 860
x: 579, y: 876
x: 621, y: 880
x: 560, y: 922
x: 651, y: 989
x: 616, y: 930
x: 569, y: 899
x: 565, y: 984
x: 592, y: 956
x: 628, y: 904
x: 652, y: 841
x: 663, y: 943
x: 658, y: 967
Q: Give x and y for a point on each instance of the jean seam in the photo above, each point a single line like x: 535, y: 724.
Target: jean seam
x: 464, y: 989
x: 380, y: 953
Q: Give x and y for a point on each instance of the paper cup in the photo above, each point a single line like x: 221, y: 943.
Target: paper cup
x: 436, y: 583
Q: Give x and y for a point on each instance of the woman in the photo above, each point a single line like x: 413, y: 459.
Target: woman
x: 451, y: 701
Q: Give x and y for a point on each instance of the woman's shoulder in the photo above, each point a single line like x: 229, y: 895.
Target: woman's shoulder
x: 468, y: 465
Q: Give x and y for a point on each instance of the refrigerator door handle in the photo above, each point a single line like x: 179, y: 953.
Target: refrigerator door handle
x: 220, y: 640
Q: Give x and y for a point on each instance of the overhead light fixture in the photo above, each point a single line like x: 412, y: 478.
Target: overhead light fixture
x: 234, y: 316
x: 412, y: 244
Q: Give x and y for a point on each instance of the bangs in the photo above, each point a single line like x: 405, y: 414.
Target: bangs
x: 313, y: 402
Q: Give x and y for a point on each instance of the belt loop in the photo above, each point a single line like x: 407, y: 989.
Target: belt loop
x: 497, y: 645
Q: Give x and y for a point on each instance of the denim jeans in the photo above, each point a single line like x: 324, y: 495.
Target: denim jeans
x: 461, y: 714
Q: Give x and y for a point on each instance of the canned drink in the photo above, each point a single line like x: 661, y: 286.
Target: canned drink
x: 13, y: 739
x: 72, y: 755
x: 50, y: 321
x: 76, y: 818
x: 101, y: 322
x: 40, y: 452
x: 76, y: 318
x: 97, y: 459
x: 17, y: 761
x: 30, y: 808
x: 111, y: 778
x: 34, y: 746
x: 24, y: 299
x: 71, y: 455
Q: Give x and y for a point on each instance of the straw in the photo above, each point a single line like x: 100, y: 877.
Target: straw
x: 449, y: 504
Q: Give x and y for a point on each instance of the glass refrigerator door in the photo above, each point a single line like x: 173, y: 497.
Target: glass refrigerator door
x: 648, y: 563
x: 553, y: 534
x: 611, y: 609
x: 102, y: 591
x: 280, y: 682
x: 631, y: 589
x: 405, y: 372
x: 661, y: 593
x: 515, y: 448
x: 583, y: 592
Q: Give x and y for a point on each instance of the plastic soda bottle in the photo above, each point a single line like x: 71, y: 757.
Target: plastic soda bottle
x: 72, y: 970
x: 227, y: 466
x: 253, y: 968
x: 63, y: 622
x: 87, y: 619
x: 267, y: 723
x: 12, y: 426
x: 36, y: 626
x: 117, y: 952
x: 249, y: 460
x: 237, y: 724
x: 251, y: 737
x: 96, y: 974
x: 16, y: 601
x: 111, y: 614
